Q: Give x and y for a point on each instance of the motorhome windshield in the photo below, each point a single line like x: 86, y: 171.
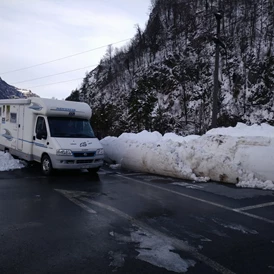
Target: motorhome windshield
x: 66, y: 127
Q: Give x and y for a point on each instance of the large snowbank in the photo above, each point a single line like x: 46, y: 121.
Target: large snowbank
x: 242, y: 130
x: 243, y: 154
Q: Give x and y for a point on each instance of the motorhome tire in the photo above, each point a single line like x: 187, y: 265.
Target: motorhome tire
x: 93, y: 170
x: 46, y: 165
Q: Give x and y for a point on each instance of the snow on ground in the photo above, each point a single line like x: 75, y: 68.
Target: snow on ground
x: 242, y: 154
x: 151, y: 249
x: 7, y: 162
x: 242, y: 130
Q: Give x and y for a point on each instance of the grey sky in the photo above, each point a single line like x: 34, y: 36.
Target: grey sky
x: 37, y: 31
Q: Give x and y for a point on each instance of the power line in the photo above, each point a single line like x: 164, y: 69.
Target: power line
x: 72, y: 55
x: 56, y: 83
x: 29, y: 80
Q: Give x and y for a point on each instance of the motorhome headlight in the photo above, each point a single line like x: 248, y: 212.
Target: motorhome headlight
x: 100, y: 151
x: 62, y: 152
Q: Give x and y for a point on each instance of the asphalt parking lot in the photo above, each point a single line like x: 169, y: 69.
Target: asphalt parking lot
x: 128, y: 222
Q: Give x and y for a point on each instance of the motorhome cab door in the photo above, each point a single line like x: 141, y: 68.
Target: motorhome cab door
x: 40, y: 137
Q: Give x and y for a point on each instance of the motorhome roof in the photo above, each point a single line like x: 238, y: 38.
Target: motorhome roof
x: 52, y: 107
x: 15, y: 101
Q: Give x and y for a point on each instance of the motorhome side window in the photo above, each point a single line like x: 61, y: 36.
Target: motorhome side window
x: 13, y: 117
x: 8, y: 113
x: 40, y: 126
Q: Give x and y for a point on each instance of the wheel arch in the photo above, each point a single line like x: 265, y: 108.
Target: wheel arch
x: 43, y: 154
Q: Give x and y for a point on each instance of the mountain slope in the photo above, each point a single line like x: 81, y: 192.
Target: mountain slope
x: 7, y: 91
x: 163, y: 80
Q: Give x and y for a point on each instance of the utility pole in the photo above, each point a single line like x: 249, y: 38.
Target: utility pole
x: 215, y: 111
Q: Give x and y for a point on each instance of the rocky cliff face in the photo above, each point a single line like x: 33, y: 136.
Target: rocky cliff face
x: 163, y: 80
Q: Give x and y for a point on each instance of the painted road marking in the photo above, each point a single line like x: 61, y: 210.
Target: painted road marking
x: 71, y: 195
x: 200, y: 200
x: 255, y: 206
x: 187, y: 185
x: 128, y: 174
x: 179, y: 244
x: 136, y: 173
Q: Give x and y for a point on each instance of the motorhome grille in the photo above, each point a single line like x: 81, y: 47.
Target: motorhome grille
x: 84, y: 161
x: 83, y: 154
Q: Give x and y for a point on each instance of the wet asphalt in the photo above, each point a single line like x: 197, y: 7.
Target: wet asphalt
x: 127, y: 222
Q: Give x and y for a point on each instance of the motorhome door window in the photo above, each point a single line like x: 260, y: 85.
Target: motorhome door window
x: 41, y: 130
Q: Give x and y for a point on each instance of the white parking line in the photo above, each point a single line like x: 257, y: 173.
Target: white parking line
x: 72, y: 197
x: 136, y: 173
x: 179, y: 244
x: 77, y: 196
x: 198, y: 199
x: 255, y: 206
x: 187, y: 185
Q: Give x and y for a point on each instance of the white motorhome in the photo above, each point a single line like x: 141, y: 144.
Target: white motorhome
x: 55, y: 133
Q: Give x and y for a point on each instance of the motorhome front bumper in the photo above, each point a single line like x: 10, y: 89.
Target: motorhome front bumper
x: 71, y: 162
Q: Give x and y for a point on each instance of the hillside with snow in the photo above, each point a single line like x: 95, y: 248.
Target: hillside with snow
x: 9, y: 92
x: 27, y: 93
x: 163, y: 79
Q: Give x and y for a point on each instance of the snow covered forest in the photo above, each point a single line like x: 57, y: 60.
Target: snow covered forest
x: 163, y: 79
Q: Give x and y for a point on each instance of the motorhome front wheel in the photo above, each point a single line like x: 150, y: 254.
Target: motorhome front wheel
x: 46, y: 165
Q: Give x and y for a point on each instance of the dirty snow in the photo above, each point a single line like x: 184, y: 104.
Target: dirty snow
x: 117, y: 259
x: 153, y: 250
x: 242, y: 155
x: 7, y: 162
x: 235, y: 227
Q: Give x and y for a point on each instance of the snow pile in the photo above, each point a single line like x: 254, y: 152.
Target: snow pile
x: 7, y: 162
x: 148, y: 152
x: 242, y: 130
x: 245, y: 156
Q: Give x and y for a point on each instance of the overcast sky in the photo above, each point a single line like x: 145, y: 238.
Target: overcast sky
x: 37, y: 31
